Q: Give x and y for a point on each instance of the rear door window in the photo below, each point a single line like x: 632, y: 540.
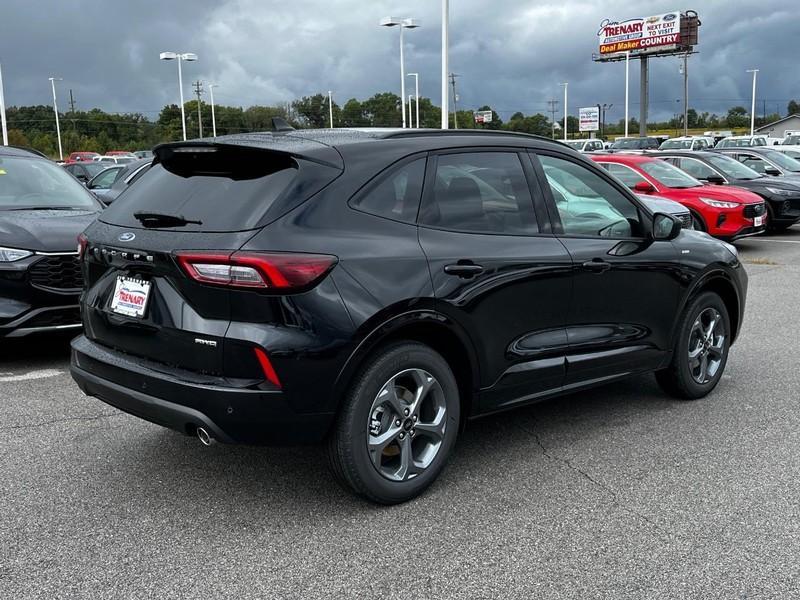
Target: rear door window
x: 483, y: 192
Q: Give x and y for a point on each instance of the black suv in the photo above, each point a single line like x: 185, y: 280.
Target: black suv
x: 374, y: 290
x: 43, y: 209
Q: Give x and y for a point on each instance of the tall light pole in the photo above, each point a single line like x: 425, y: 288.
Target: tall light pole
x: 180, y: 57
x: 416, y: 92
x: 404, y: 24
x: 410, y: 105
x: 445, y: 61
x: 627, y: 80
x: 330, y: 106
x: 3, y: 110
x: 685, y: 71
x: 753, y: 104
x: 211, y: 87
x: 55, y: 109
x: 566, y: 85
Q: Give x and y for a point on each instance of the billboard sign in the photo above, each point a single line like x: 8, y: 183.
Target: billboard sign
x: 648, y: 35
x: 589, y: 118
x: 483, y: 116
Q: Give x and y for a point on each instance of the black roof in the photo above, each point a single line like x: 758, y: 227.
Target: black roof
x: 24, y: 152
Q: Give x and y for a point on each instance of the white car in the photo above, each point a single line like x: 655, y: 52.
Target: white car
x: 742, y: 141
x: 691, y: 142
x: 115, y: 160
x: 586, y: 145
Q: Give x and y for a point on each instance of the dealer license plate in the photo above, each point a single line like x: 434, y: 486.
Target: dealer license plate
x: 758, y: 221
x: 130, y: 296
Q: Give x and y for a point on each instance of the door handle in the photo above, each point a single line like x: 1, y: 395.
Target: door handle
x: 596, y: 265
x: 466, y: 270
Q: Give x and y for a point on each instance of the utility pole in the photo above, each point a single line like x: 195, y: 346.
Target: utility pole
x: 686, y: 94
x: 198, y: 89
x: 455, y: 99
x: 553, y: 104
x: 71, y: 102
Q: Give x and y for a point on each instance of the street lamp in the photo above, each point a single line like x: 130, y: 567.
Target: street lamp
x: 753, y: 104
x: 627, y: 80
x: 55, y: 109
x: 330, y: 106
x: 180, y: 56
x: 211, y: 87
x: 416, y: 93
x: 3, y: 110
x: 445, y: 61
x: 565, y: 110
x: 404, y: 23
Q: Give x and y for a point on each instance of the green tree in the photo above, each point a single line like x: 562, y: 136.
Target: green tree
x: 16, y: 137
x: 737, y: 117
x: 383, y: 110
x: 793, y: 107
x: 313, y: 110
x: 536, y: 124
x: 353, y: 114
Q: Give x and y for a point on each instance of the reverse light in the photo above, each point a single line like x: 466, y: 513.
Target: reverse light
x: 719, y: 203
x: 281, y: 272
x: 13, y: 254
x: 780, y: 192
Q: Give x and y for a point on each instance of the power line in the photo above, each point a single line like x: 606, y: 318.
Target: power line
x: 198, y: 89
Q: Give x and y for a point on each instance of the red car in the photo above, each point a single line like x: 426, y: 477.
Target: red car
x: 80, y: 157
x: 728, y: 213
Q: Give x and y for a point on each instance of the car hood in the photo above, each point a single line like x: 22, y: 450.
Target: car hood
x: 780, y: 183
x: 663, y: 205
x: 718, y: 192
x: 44, y: 230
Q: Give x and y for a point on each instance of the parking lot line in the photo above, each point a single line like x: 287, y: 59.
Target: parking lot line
x: 41, y: 374
x: 778, y: 241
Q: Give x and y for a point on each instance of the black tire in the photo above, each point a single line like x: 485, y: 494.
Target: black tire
x: 348, y: 455
x: 678, y: 379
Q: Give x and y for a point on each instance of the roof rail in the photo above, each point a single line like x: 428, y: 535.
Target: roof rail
x: 465, y: 132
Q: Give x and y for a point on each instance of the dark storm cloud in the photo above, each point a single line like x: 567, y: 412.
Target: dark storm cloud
x: 510, y: 54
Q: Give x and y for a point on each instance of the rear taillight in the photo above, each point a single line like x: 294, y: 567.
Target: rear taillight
x: 83, y: 243
x: 267, y: 368
x: 270, y: 271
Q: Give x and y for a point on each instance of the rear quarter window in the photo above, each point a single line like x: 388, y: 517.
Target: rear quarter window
x: 395, y: 194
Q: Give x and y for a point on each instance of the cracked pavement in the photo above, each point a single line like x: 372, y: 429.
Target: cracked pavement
x: 615, y: 493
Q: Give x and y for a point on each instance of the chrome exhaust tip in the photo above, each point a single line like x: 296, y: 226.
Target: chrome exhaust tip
x: 204, y: 437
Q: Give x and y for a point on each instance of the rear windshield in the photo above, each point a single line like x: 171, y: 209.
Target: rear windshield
x: 223, y: 189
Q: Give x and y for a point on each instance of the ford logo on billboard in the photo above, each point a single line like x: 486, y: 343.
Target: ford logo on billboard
x: 670, y: 17
x: 128, y: 236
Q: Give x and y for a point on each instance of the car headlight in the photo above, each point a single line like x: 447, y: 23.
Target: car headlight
x: 720, y: 203
x: 12, y: 254
x: 780, y: 192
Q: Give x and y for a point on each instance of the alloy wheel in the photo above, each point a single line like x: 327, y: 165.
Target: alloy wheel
x: 706, y: 345
x: 406, y: 425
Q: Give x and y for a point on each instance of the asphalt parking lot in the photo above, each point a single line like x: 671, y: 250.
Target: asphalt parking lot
x: 615, y: 493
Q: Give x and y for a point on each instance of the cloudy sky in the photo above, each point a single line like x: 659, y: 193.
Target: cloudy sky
x: 511, y: 54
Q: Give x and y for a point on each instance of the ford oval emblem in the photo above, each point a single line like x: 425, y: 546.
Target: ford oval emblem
x: 128, y: 236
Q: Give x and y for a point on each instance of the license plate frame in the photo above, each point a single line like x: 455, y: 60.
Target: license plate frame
x: 130, y: 297
x: 758, y: 221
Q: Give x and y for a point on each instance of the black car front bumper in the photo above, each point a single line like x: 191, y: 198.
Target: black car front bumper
x: 232, y: 411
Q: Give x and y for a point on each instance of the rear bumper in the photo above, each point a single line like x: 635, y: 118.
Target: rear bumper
x: 231, y: 411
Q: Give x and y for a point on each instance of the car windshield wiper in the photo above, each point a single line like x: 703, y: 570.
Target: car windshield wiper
x: 154, y: 219
x: 45, y: 208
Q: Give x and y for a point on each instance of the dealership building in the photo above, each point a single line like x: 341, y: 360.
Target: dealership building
x: 778, y: 129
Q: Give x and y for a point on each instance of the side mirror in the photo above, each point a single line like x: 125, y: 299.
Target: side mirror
x: 666, y: 227
x: 644, y: 187
x: 772, y: 171
x: 715, y: 179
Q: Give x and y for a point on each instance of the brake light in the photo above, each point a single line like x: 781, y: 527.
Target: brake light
x: 266, y: 366
x: 273, y: 271
x: 83, y: 243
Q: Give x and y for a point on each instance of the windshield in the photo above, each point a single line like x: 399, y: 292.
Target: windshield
x: 791, y: 140
x: 37, y: 183
x: 732, y: 168
x: 741, y: 142
x: 677, y: 145
x: 668, y: 175
x: 784, y: 162
x: 576, y: 145
x: 629, y: 144
x: 94, y: 168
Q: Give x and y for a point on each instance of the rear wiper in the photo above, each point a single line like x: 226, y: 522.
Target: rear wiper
x: 154, y: 219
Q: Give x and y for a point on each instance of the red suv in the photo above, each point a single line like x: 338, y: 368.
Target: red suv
x: 728, y: 213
